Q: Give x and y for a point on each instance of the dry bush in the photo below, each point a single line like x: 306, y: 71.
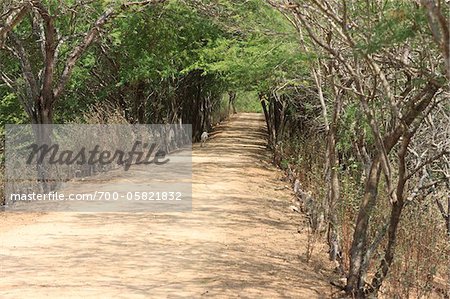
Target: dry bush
x: 101, y: 113
x: 422, y: 253
x: 220, y: 110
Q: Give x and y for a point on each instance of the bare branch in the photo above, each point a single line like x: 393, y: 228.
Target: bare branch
x: 442, y: 209
x: 8, y: 81
x: 426, y: 162
x: 13, y: 20
x: 439, y: 26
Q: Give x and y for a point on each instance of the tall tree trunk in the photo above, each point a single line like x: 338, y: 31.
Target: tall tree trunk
x: 390, y: 249
x: 333, y: 196
x: 43, y: 120
x: 355, y: 279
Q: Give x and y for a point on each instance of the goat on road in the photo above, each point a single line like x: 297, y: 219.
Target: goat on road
x: 203, y: 138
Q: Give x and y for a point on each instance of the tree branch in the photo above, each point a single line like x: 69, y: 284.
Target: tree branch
x: 13, y: 20
x: 426, y: 162
x: 89, y: 38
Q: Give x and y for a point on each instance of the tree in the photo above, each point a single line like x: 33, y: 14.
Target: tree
x: 369, y: 49
x: 46, y: 80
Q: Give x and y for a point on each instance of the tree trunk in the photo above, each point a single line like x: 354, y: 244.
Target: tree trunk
x: 333, y: 197
x: 390, y: 249
x: 139, y: 103
x: 355, y: 279
x: 42, y: 121
x: 267, y: 118
x: 231, y: 101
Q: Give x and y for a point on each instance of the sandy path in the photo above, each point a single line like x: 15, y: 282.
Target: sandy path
x: 240, y: 240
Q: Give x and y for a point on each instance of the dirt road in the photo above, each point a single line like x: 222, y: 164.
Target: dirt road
x: 240, y: 240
